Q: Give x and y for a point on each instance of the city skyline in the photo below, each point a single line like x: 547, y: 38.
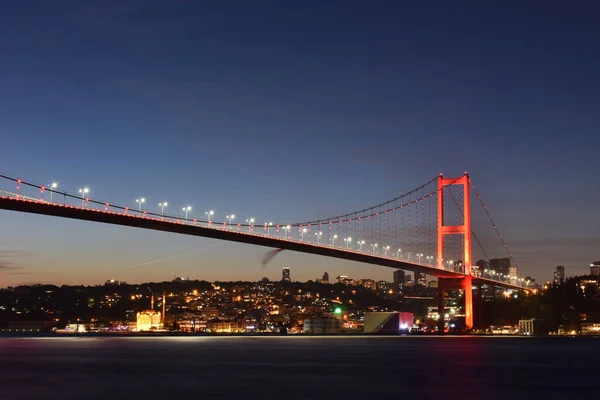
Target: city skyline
x: 234, y: 111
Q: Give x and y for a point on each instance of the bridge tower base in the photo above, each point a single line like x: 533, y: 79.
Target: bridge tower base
x: 464, y: 283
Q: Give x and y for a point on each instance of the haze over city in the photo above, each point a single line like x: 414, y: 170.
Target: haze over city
x: 286, y: 114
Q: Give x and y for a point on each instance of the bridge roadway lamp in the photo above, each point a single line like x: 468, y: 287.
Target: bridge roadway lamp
x: 209, y: 213
x: 287, y: 230
x: 84, y: 191
x: 186, y: 209
x: 229, y: 218
x: 52, y: 186
x: 348, y: 240
x: 303, y: 232
x: 333, y: 240
x: 318, y: 235
x: 162, y: 207
x: 250, y: 222
x: 140, y: 201
x: 268, y: 225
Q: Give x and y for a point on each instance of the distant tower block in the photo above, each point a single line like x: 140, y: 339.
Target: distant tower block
x: 285, y: 274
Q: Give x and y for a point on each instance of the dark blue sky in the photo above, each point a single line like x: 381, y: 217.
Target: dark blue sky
x: 287, y: 112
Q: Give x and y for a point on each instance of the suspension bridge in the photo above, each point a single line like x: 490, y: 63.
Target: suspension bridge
x: 427, y: 231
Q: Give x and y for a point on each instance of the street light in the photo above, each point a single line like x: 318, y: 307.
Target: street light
x: 319, y: 234
x: 303, y: 232
x: 52, y: 186
x: 250, y: 222
x: 429, y: 259
x: 140, y: 201
x: 186, y: 209
x: 333, y: 240
x: 209, y: 213
x: 399, y: 251
x: 162, y: 207
x: 374, y: 247
x: 229, y: 218
x: 419, y: 255
x: 268, y: 225
x: 83, y: 192
x: 385, y: 249
x: 287, y: 230
x: 360, y: 244
x: 348, y: 240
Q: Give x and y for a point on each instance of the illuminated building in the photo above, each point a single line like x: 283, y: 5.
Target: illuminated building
x: 322, y: 325
x: 501, y: 265
x: 285, y: 274
x: 420, y: 279
x: 559, y: 274
x: 192, y: 325
x: 148, y: 320
x: 368, y: 283
x: 388, y: 322
x: 595, y: 268
x: 325, y: 278
x: 218, y: 326
x: 528, y: 327
x: 588, y: 328
x: 385, y: 286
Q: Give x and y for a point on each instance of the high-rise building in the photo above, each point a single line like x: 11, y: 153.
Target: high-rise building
x: 420, y: 279
x: 501, y: 265
x: 483, y: 265
x: 595, y: 268
x: 285, y: 274
x: 325, y: 277
x: 399, y: 276
x: 559, y: 274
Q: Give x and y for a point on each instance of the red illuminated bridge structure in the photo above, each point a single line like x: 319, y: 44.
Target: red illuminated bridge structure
x: 427, y: 231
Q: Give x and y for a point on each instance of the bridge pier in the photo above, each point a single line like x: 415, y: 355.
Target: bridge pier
x: 478, y: 307
x: 466, y: 285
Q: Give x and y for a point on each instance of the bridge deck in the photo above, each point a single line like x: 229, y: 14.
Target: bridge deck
x: 108, y: 217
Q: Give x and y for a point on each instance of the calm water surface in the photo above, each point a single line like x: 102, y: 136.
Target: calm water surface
x: 298, y: 368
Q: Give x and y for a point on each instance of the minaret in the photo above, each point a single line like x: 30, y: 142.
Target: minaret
x: 164, y: 301
x: 152, y: 302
